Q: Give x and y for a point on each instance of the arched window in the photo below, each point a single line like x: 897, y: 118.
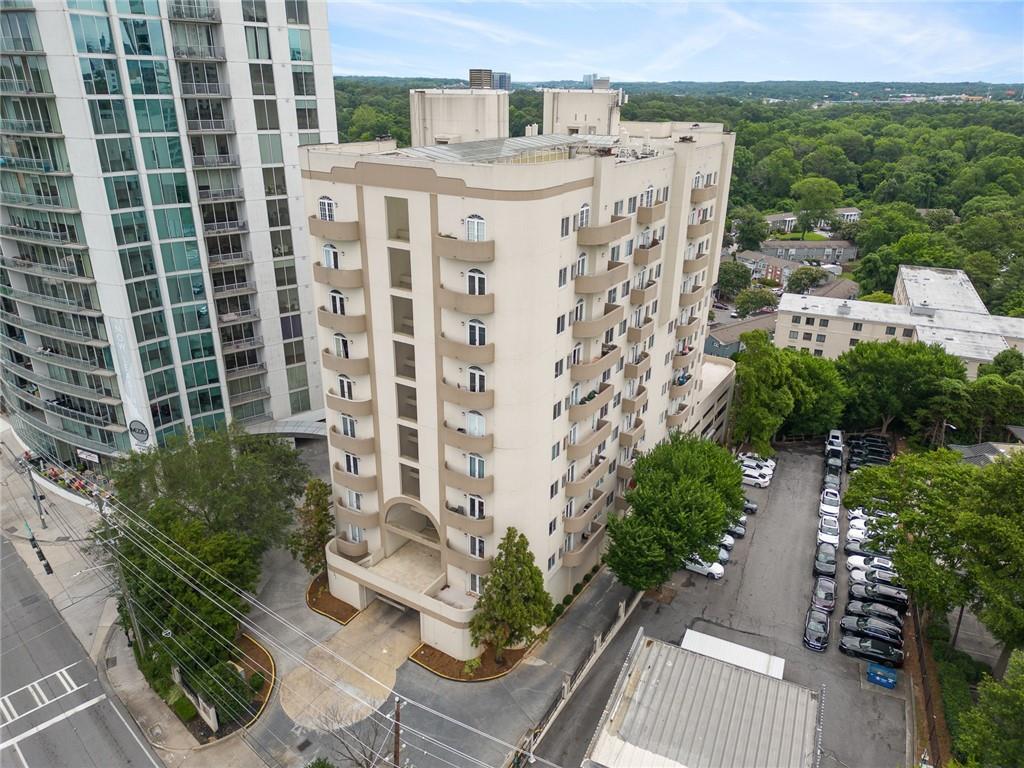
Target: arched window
x: 345, y: 388
x: 581, y: 265
x: 326, y: 209
x: 577, y: 354
x: 577, y: 313
x: 698, y: 181
x: 342, y: 346
x: 476, y: 228
x: 476, y: 283
x: 475, y: 424
x: 338, y: 301
x: 476, y: 465
x: 477, y: 379
x: 331, y: 258
x: 584, y: 215
x: 477, y: 333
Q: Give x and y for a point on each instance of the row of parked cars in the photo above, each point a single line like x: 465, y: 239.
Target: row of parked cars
x: 737, y: 530
x: 872, y: 627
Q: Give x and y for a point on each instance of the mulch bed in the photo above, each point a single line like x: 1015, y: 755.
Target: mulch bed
x: 912, y: 665
x: 319, y: 598
x: 442, y: 664
x: 254, y: 658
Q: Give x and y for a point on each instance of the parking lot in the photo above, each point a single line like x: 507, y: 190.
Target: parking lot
x: 761, y: 603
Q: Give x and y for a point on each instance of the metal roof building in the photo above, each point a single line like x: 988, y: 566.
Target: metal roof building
x: 673, y: 708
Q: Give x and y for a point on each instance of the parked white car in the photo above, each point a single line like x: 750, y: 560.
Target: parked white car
x: 828, y: 530
x: 723, y: 556
x: 727, y: 542
x: 857, y: 513
x: 863, y: 562
x: 854, y: 534
x: 834, y: 440
x: 755, y: 478
x: 829, y: 503
x: 858, y: 576
x: 711, y: 570
x: 859, y: 524
x: 770, y: 463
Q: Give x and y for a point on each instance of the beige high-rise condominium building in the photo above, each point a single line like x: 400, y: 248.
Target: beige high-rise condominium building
x: 503, y: 325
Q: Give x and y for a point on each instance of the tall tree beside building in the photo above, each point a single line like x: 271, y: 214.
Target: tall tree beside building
x: 816, y: 200
x: 315, y: 527
x: 733, y: 277
x: 991, y: 733
x: 763, y: 399
x: 750, y: 300
x: 751, y: 228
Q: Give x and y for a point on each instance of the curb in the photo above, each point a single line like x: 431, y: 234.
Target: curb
x: 335, y: 619
x: 273, y: 680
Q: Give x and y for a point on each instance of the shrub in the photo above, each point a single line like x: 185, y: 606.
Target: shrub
x: 557, y: 611
x: 567, y: 599
x: 470, y: 667
x: 184, y: 709
x: 577, y: 588
x: 587, y: 577
x: 256, y: 682
x: 595, y: 568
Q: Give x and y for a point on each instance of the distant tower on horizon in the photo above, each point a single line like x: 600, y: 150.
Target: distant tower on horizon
x: 502, y: 81
x: 481, y: 78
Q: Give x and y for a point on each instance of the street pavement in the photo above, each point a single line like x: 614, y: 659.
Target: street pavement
x: 55, y: 713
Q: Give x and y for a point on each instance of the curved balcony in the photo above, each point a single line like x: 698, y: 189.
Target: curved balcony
x: 689, y: 326
x: 645, y: 255
x: 333, y: 230
x: 679, y: 390
x: 477, y: 565
x: 471, y: 251
x: 340, y: 323
x: 636, y: 335
x: 610, y: 355
x: 361, y: 483
x: 467, y: 353
x: 579, y: 521
x: 361, y: 446
x: 648, y: 214
x: 636, y: 402
x: 690, y: 266
x: 457, y: 437
x: 640, y: 296
x: 351, y: 407
x: 359, y: 517
x: 678, y: 419
x: 338, y: 278
x: 582, y: 486
x: 586, y: 549
x: 350, y: 366
x: 682, y: 359
x: 459, y: 394
x: 633, y: 436
x: 458, y: 479
x: 697, y: 231
x: 348, y: 548
x: 456, y: 517
x: 625, y: 471
x: 585, y: 446
x: 585, y: 409
x: 603, y: 234
x: 599, y: 283
x: 703, y: 194
x: 467, y: 303
x: 639, y: 368
x: 592, y: 329
x: 688, y: 299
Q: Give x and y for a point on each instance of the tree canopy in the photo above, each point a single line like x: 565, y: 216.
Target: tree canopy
x: 802, y: 279
x: 991, y: 733
x: 314, y: 528
x: 733, y: 278
x: 750, y: 300
x: 751, y: 228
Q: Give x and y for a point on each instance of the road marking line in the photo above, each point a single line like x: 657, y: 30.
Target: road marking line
x: 31, y: 688
x: 7, y: 710
x: 52, y: 721
x: 44, y: 677
x: 65, y: 679
x: 36, y: 709
x: 21, y: 757
x: 134, y: 736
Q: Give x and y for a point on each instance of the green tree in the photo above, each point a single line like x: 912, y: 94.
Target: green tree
x: 751, y: 228
x: 878, y: 271
x: 231, y: 481
x: 776, y: 173
x: 315, y: 527
x: 878, y: 297
x: 514, y: 603
x: 802, y: 279
x: 222, y: 686
x: 993, y: 402
x: 883, y: 224
x: 819, y: 394
x: 750, y: 300
x: 733, y: 277
x: 639, y: 552
x: 831, y: 162
x: 983, y: 269
x: 949, y: 405
x: 816, y: 199
x: 763, y: 399
x: 889, y: 381
x: 992, y: 731
x: 1005, y: 363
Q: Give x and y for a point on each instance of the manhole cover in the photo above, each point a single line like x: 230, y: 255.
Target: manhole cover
x: 30, y: 600
x: 304, y: 744
x: 111, y: 662
x: 11, y: 529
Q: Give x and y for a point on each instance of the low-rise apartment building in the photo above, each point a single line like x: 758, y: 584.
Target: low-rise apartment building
x: 936, y: 306
x: 824, y: 251
x: 786, y: 222
x: 503, y: 325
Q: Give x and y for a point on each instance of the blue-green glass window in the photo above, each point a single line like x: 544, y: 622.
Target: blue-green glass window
x: 300, y: 45
x: 166, y: 411
x: 123, y: 192
x: 182, y: 288
x: 165, y: 434
x: 156, y: 115
x: 143, y: 295
x: 161, y: 383
x: 143, y: 38
x: 162, y: 152
x: 195, y: 317
x: 168, y: 188
x: 195, y: 347
x: 172, y: 223
x: 270, y: 149
x: 88, y: 5
x: 151, y: 78
x: 138, y: 7
x: 205, y: 400
x: 130, y: 227
x: 92, y: 34
x: 108, y: 116
x: 150, y: 326
x: 100, y: 76
x: 213, y: 422
x: 116, y: 155
x: 180, y: 256
x: 137, y: 261
x: 200, y: 374
x: 156, y: 355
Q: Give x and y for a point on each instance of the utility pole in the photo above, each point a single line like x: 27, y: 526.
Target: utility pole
x: 32, y: 481
x: 398, y: 732
x: 123, y: 584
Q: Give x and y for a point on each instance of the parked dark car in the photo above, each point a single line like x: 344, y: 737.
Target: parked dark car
x: 873, y: 650
x: 864, y: 626
x: 749, y: 507
x: 868, y: 548
x: 881, y: 593
x: 883, y: 576
x: 833, y: 453
x: 816, y: 626
x: 831, y: 481
x: 823, y: 595
x: 825, y: 559
x: 834, y: 465
x: 876, y: 610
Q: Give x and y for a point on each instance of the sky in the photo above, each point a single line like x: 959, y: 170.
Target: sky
x: 535, y: 40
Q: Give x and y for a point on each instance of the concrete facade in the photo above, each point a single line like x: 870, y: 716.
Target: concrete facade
x: 587, y: 112
x: 503, y: 325
x: 154, y: 250
x: 454, y: 115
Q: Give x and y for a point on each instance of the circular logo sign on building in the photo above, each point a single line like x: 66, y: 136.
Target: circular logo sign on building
x: 139, y: 431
